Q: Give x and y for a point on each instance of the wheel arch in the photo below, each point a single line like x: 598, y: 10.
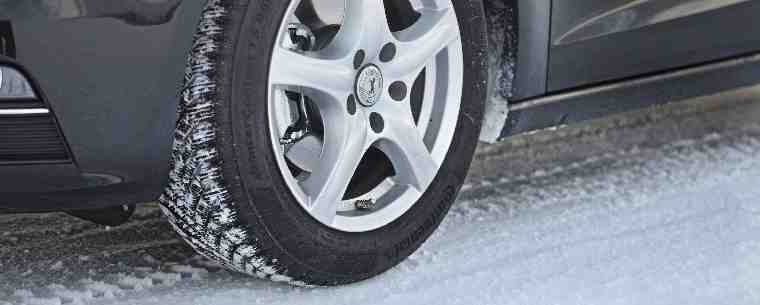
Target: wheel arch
x: 521, y: 28
x: 519, y: 33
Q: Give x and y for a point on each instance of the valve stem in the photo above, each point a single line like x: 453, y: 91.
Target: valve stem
x: 365, y: 205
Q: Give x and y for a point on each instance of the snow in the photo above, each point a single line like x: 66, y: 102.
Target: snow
x: 501, y: 60
x: 134, y: 283
x: 674, y: 225
x: 647, y: 224
x: 57, y: 266
x: 102, y: 289
x: 193, y: 272
x: 670, y: 226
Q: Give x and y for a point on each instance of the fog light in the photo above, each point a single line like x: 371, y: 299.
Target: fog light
x: 14, y: 85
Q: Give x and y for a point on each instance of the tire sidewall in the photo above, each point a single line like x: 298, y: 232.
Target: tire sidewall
x: 307, y: 249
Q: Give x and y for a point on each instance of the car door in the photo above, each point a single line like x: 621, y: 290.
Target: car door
x: 596, y: 41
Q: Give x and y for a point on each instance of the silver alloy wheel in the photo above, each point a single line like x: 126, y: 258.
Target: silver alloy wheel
x: 367, y: 107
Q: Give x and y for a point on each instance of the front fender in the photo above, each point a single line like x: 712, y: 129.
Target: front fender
x: 136, y: 12
x: 111, y: 71
x: 519, y: 52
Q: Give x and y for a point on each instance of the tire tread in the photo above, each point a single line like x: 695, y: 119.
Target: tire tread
x: 196, y: 201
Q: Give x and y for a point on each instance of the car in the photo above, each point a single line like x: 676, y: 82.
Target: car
x: 321, y: 142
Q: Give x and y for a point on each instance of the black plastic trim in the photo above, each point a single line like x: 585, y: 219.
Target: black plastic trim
x: 594, y: 102
x: 42, y: 102
x: 22, y: 103
x: 533, y: 55
x: 76, y: 199
x: 7, y: 42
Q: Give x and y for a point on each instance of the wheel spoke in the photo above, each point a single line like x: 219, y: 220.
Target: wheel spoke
x: 327, y: 76
x: 345, y: 144
x: 421, y: 42
x: 420, y: 5
x: 365, y: 26
x: 305, y: 153
x: 358, y: 90
x: 405, y: 147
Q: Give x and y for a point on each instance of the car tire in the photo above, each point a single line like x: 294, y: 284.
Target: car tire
x: 227, y: 196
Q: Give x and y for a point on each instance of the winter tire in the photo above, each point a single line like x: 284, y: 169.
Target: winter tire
x: 316, y: 153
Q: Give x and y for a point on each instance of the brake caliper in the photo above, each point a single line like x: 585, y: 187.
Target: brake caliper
x: 302, y: 39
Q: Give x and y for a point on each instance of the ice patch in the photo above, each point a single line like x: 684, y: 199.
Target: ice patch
x: 151, y: 260
x: 57, y: 266
x: 42, y: 301
x: 23, y: 293
x: 167, y: 279
x: 193, y: 272
x: 70, y: 296
x: 134, y: 283
x: 102, y: 289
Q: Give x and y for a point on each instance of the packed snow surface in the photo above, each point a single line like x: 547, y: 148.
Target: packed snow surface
x: 671, y: 224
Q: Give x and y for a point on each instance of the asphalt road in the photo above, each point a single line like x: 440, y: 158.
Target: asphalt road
x: 655, y: 207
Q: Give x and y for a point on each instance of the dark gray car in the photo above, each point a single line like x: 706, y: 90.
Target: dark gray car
x: 320, y: 142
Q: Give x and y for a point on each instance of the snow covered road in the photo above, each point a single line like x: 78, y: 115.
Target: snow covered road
x: 674, y: 223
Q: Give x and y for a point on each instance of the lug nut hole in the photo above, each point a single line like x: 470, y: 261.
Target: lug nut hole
x: 359, y: 59
x: 376, y: 122
x: 388, y: 52
x: 351, y: 104
x: 397, y: 91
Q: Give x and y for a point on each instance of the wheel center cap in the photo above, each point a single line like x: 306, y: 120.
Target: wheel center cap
x: 369, y: 85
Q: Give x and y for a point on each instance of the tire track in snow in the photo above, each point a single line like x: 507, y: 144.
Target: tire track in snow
x: 597, y: 229
x: 620, y: 180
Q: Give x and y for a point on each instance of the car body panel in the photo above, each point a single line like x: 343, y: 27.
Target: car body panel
x: 531, y: 62
x: 135, y: 12
x: 595, y: 41
x: 649, y: 90
x: 122, y: 63
x: 110, y: 70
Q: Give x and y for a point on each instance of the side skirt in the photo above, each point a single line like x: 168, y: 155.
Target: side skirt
x: 588, y: 103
